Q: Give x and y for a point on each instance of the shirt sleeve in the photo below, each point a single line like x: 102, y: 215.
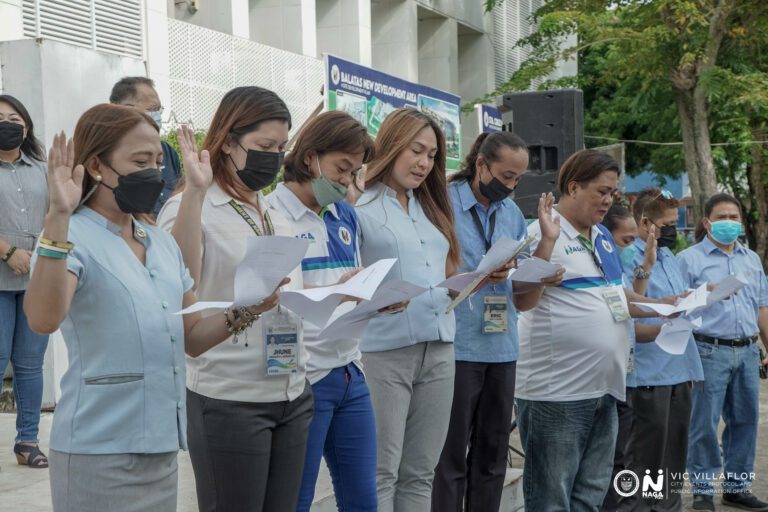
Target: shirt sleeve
x: 684, y: 259
x: 167, y: 216
x: 763, y: 297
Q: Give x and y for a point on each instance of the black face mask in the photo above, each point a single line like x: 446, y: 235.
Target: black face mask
x: 494, y: 190
x: 668, y: 236
x: 261, y: 168
x: 139, y: 191
x: 11, y: 135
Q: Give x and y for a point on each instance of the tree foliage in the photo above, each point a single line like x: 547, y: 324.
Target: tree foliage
x: 667, y: 70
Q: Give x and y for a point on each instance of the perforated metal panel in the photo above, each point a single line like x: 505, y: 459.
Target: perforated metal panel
x: 105, y: 25
x: 205, y: 64
x: 511, y: 22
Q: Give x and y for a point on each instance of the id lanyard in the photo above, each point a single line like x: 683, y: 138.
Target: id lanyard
x: 491, y: 222
x: 247, y: 218
x: 595, y: 259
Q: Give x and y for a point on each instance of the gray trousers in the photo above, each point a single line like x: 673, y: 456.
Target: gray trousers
x: 126, y: 482
x: 412, y: 391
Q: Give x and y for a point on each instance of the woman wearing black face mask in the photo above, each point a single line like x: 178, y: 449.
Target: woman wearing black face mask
x: 248, y: 431
x: 114, y: 284
x: 470, y: 474
x: 23, y: 202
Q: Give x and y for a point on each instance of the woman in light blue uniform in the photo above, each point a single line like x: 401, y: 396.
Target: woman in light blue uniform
x: 406, y: 214
x: 114, y: 284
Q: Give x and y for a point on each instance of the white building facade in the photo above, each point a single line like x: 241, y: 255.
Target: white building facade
x: 60, y: 57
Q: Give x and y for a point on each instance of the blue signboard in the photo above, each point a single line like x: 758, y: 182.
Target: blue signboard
x: 489, y: 118
x: 369, y: 95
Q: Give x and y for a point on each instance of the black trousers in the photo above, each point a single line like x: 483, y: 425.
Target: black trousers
x: 248, y: 457
x: 621, y: 456
x: 473, y: 464
x: 659, y: 441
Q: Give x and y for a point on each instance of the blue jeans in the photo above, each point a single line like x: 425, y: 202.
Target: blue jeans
x: 731, y: 388
x: 569, y: 452
x: 344, y: 431
x: 25, y: 350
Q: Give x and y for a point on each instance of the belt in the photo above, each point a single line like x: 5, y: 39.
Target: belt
x: 738, y: 342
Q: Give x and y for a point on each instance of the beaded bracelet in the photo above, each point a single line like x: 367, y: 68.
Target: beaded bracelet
x: 9, y: 254
x: 244, y: 317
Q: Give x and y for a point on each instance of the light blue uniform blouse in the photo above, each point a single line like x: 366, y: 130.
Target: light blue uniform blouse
x: 124, y: 390
x: 654, y: 366
x: 471, y: 343
x: 388, y: 231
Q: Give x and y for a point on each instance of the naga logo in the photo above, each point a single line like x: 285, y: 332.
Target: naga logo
x: 651, y: 488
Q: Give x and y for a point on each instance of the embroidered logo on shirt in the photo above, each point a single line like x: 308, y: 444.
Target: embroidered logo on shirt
x: 306, y: 236
x: 345, y: 236
x: 570, y: 249
x: 607, y: 246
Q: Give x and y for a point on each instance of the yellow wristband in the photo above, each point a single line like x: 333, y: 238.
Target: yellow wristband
x: 54, y: 248
x: 61, y: 245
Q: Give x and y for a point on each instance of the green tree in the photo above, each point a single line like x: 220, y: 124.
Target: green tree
x: 668, y: 70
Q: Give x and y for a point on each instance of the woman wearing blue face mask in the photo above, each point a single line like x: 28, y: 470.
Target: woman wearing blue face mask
x: 727, y: 342
x: 322, y: 166
x: 247, y: 427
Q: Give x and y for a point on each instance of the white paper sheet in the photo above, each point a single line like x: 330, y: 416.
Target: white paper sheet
x: 504, y: 250
x: 267, y: 260
x: 675, y: 334
x: 696, y: 300
x: 353, y: 324
x: 727, y: 287
x: 533, y: 270
x: 316, y: 305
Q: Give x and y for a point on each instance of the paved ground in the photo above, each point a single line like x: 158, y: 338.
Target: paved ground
x: 760, y: 487
x: 26, y: 489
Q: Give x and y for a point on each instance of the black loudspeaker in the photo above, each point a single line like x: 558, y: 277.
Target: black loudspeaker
x: 552, y: 124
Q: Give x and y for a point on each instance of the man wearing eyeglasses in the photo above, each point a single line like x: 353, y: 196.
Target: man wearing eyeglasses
x: 661, y: 400
x: 139, y: 92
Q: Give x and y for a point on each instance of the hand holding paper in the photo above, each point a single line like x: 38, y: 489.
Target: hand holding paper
x: 533, y: 270
x: 267, y: 260
x: 316, y: 305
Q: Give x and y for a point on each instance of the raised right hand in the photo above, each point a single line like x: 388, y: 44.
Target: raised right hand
x: 197, y: 169
x: 650, y: 249
x: 65, y: 183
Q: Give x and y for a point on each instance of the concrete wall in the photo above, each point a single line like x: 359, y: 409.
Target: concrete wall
x: 11, y: 20
x: 285, y: 24
x: 438, y: 51
x: 344, y: 29
x: 394, y: 38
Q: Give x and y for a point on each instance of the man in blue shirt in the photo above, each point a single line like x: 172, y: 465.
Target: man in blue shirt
x: 728, y: 344
x: 472, y: 467
x: 661, y: 400
x: 139, y: 92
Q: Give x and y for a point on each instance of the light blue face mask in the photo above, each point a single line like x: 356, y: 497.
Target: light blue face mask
x: 157, y: 117
x: 726, y: 231
x: 627, y: 255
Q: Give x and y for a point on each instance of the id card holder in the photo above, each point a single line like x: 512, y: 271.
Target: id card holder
x: 631, y: 361
x: 282, y: 330
x: 495, y: 308
x: 614, y: 297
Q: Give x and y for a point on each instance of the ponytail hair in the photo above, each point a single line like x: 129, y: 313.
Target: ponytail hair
x: 488, y: 144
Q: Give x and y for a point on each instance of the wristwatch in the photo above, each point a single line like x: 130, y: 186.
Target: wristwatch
x: 640, y: 273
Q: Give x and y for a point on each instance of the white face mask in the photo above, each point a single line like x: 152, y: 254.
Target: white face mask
x: 157, y: 117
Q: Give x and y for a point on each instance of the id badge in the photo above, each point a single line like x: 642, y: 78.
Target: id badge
x: 495, y: 314
x: 281, y: 330
x: 614, y: 297
x: 631, y: 361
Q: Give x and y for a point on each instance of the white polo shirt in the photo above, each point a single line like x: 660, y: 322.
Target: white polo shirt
x: 333, y: 251
x: 231, y: 371
x: 570, y: 346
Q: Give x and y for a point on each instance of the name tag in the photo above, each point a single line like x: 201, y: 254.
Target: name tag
x: 281, y: 341
x: 614, y: 297
x: 495, y: 314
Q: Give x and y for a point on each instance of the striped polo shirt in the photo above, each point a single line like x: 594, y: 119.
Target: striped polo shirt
x: 333, y: 251
x: 571, y: 348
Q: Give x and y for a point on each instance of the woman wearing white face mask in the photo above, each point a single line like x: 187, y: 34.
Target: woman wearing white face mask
x: 320, y: 169
x: 247, y: 427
